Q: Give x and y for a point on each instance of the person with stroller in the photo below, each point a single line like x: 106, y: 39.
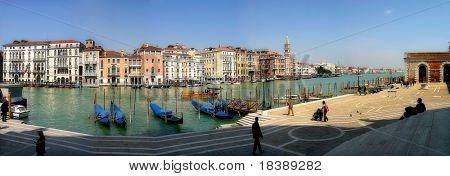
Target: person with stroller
x: 325, y: 110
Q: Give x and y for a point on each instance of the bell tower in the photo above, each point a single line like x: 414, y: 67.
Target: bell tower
x: 287, y: 56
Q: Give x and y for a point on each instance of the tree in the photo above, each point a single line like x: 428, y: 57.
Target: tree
x: 322, y: 71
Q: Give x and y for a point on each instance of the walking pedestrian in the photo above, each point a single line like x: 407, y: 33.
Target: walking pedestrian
x: 40, y: 144
x: 290, y: 106
x: 256, y: 130
x: 325, y: 110
x: 365, y: 90
x: 4, y: 108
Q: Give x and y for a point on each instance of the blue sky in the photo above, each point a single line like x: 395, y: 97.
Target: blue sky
x: 251, y: 24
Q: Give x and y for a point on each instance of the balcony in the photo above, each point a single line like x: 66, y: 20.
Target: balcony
x: 16, y: 60
x: 91, y: 74
x: 135, y: 64
x: 116, y: 74
x: 39, y: 59
x: 38, y: 71
x: 61, y: 66
x: 135, y: 74
x: 90, y: 62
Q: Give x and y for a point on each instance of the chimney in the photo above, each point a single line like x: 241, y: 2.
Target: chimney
x: 121, y: 53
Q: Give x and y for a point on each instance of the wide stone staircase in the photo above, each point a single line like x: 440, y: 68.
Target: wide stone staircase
x: 250, y: 118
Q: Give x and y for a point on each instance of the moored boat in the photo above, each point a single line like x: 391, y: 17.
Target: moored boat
x: 19, y: 112
x: 208, y: 93
x: 118, y: 115
x: 165, y: 114
x: 101, y: 115
x: 209, y: 110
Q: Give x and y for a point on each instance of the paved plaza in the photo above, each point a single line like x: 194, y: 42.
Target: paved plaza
x: 358, y: 125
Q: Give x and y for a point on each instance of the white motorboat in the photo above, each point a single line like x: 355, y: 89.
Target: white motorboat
x: 19, y: 112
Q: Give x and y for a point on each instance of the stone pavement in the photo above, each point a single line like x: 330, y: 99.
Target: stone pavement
x: 351, y: 117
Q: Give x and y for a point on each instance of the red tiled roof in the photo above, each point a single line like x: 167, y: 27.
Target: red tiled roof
x: 428, y: 55
x: 148, y: 47
x: 111, y: 54
x: 95, y: 48
x: 27, y: 42
x: 178, y: 54
x: 63, y: 41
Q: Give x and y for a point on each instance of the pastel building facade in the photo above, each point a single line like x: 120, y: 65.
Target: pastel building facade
x: 152, y: 66
x: 113, y: 69
x: 90, y: 57
x: 64, y: 57
x: 25, y: 61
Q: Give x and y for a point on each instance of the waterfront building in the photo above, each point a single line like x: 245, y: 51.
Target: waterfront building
x: 64, y: 58
x: 252, y: 65
x: 113, y: 68
x: 200, y: 63
x: 89, y: 61
x: 220, y: 64
x: 242, y: 57
x: 182, y: 64
x: 302, y: 69
x: 25, y: 61
x: 175, y: 66
x: 427, y: 66
x: 135, y: 75
x: 151, y: 58
x: 269, y: 64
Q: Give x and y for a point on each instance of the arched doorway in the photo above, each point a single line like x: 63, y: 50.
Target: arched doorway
x: 38, y: 79
x: 16, y: 78
x: 422, y: 73
x: 447, y: 73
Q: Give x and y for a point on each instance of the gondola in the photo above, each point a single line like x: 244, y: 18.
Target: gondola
x: 210, y: 110
x: 101, y: 114
x: 218, y: 104
x: 118, y: 115
x: 165, y: 114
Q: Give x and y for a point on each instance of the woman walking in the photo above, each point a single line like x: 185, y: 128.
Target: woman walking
x: 40, y: 144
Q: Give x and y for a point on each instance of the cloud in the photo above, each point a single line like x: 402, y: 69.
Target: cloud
x: 388, y: 12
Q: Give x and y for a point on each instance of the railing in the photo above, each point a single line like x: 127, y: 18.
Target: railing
x: 39, y: 59
x: 135, y: 64
x: 16, y: 60
x: 113, y: 74
x: 61, y: 66
x: 135, y: 74
x: 90, y: 62
x: 38, y: 71
x: 89, y: 74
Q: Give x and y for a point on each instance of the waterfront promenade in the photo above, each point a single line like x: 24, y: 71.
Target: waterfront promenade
x: 358, y: 125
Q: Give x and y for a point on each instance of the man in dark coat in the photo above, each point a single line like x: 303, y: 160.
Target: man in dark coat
x: 4, y: 108
x: 420, y: 107
x: 256, y: 130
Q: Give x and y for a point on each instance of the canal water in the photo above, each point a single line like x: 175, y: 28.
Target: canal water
x: 72, y: 109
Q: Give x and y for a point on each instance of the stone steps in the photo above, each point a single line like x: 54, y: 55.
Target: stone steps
x: 250, y: 118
